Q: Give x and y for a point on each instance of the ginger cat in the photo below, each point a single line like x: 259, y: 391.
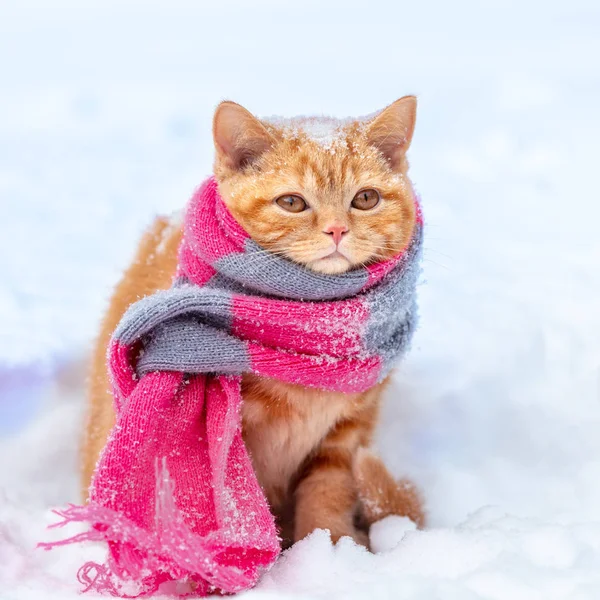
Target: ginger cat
x: 331, y: 195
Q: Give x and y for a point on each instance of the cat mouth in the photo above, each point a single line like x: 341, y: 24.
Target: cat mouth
x: 332, y: 263
x: 335, y: 254
x: 335, y: 257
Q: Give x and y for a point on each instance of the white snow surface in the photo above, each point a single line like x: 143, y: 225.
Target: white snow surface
x: 105, y: 116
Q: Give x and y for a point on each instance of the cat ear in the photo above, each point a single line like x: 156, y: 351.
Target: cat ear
x: 240, y: 138
x: 392, y: 129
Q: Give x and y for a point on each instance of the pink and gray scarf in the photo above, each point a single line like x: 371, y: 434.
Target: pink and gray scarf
x: 174, y: 494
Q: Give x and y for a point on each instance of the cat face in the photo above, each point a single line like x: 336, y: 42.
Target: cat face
x: 331, y: 195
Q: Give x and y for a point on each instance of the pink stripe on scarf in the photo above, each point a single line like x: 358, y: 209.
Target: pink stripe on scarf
x: 343, y: 375
x: 315, y: 328
x: 212, y: 239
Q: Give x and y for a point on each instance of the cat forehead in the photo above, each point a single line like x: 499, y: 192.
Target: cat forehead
x: 323, y: 130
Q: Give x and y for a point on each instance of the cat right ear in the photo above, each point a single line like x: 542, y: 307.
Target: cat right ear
x: 240, y: 138
x: 392, y: 129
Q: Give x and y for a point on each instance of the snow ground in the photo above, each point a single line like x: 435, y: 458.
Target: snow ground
x: 105, y: 111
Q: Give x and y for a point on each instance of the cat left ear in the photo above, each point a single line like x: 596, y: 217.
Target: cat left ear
x: 392, y: 129
x: 240, y: 138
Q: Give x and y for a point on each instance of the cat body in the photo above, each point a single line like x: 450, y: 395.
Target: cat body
x: 329, y: 195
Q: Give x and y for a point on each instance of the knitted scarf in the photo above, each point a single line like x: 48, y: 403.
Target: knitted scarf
x: 174, y: 493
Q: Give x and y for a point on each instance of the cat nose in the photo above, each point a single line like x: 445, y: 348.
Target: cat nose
x: 337, y: 231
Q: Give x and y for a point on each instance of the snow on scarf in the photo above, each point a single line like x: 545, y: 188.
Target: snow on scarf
x: 174, y: 493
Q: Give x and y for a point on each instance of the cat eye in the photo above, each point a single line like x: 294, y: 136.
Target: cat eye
x: 366, y: 199
x: 292, y: 203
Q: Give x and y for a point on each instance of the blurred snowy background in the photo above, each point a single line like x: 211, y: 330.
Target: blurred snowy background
x: 105, y: 114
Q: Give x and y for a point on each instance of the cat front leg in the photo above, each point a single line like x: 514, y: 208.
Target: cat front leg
x: 326, y: 496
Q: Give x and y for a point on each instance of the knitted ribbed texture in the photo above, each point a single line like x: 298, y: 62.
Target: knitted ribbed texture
x: 174, y: 493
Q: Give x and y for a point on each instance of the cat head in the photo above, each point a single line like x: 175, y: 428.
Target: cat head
x: 329, y: 194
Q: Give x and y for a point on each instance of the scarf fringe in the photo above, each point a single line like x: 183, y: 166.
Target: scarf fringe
x: 172, y: 555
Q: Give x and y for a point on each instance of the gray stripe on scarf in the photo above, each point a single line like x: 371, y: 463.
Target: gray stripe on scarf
x: 277, y: 276
x: 184, y: 344
x: 212, y: 306
x: 393, y: 308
